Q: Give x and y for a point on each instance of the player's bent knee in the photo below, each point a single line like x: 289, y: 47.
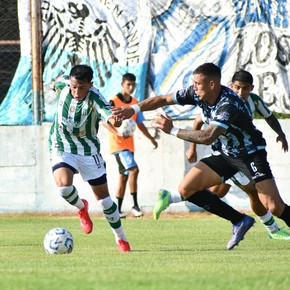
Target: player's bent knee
x: 187, y: 192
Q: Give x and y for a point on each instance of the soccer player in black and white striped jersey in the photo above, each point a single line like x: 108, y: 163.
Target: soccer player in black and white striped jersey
x: 242, y: 149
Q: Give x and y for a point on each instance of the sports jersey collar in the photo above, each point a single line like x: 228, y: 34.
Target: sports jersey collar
x: 217, y: 100
x: 220, y: 94
x: 120, y: 96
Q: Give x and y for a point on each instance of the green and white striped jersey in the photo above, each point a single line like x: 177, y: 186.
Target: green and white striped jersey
x: 256, y: 104
x: 76, y: 123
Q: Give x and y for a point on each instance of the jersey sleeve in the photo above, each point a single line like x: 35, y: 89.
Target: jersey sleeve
x: 260, y: 106
x: 185, y: 97
x: 101, y: 105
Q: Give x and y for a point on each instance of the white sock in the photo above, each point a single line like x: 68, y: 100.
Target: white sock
x: 112, y: 215
x: 70, y: 194
x: 175, y: 197
x: 269, y: 222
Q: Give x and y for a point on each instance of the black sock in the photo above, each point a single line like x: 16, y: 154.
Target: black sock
x: 134, y: 195
x: 210, y: 202
x: 120, y: 201
x: 285, y: 216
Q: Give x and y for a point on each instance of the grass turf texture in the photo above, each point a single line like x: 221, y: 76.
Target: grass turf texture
x: 177, y: 252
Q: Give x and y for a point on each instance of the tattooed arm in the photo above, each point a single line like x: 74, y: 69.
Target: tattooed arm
x: 206, y: 136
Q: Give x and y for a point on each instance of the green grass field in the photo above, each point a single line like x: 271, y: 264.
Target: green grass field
x: 185, y: 252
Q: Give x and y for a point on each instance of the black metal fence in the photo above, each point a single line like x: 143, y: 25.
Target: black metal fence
x: 9, y: 44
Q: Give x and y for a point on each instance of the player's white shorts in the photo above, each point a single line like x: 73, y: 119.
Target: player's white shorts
x: 238, y: 179
x: 89, y: 167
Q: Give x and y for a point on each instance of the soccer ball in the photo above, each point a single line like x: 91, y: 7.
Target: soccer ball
x: 127, y: 128
x: 58, y: 241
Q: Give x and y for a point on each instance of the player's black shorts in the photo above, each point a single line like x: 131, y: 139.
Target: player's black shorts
x: 255, y: 166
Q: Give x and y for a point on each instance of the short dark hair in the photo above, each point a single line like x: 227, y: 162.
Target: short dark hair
x: 242, y: 76
x: 82, y: 72
x: 208, y: 69
x: 129, y: 77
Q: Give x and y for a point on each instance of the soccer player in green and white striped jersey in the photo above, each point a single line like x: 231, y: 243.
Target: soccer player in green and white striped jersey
x: 242, y: 84
x: 75, y: 148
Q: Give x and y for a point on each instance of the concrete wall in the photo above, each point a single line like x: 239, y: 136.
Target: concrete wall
x: 27, y: 183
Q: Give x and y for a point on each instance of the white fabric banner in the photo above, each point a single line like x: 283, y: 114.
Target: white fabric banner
x: 161, y: 42
x: 247, y: 34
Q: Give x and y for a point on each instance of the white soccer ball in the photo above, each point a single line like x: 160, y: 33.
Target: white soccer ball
x: 127, y: 128
x: 58, y: 241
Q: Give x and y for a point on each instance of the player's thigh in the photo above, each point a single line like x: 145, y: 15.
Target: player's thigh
x: 64, y: 166
x: 123, y: 178
x: 198, y: 178
x: 251, y: 191
x: 249, y: 188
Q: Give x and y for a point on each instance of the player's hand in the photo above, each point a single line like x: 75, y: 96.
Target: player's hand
x: 191, y: 155
x: 114, y: 122
x: 117, y: 123
x: 163, y: 122
x: 283, y: 140
x: 122, y: 113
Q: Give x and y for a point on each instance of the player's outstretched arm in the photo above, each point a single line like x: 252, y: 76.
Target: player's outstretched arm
x: 206, y: 136
x: 275, y: 125
x: 149, y: 104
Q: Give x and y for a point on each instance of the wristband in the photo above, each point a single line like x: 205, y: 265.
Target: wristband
x: 174, y: 131
x: 136, y: 108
